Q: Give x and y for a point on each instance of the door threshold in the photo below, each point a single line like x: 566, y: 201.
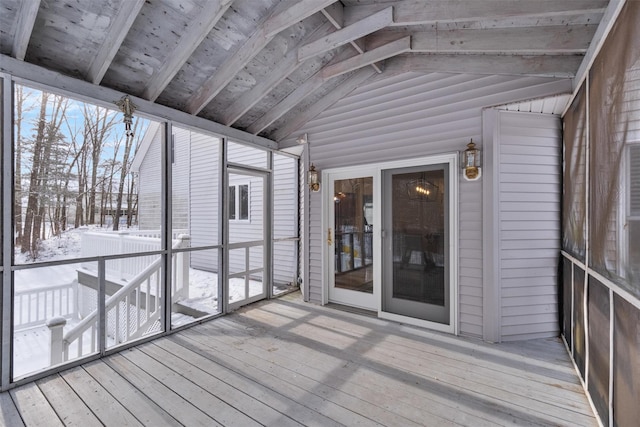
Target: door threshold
x: 350, y: 309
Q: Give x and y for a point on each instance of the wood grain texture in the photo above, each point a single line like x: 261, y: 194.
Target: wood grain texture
x: 288, y: 363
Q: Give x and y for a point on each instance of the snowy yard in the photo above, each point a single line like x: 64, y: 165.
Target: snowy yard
x: 32, y: 339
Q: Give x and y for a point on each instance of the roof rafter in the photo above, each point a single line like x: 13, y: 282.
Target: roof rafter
x: 522, y: 65
x: 335, y: 15
x: 295, y: 97
x: 276, y: 22
x: 365, y: 26
x: 196, y: 32
x: 378, y: 54
x: 286, y: 66
x: 487, y: 12
x: 553, y: 40
x: 122, y: 22
x: 339, y: 92
x: 27, y: 14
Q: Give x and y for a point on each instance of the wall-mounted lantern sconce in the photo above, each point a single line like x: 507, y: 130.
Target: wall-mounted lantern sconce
x: 314, y: 181
x: 471, y: 162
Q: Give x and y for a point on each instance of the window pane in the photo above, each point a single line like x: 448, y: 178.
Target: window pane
x: 244, y: 201
x: 54, y: 317
x: 78, y: 172
x: 232, y: 202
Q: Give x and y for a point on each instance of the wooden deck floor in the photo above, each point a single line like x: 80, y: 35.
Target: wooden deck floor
x: 286, y: 363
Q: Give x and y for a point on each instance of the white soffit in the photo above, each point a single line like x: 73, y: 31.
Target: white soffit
x: 549, y: 105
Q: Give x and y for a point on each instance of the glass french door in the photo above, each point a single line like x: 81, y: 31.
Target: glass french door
x: 246, y: 250
x: 349, y: 237
x: 416, y: 242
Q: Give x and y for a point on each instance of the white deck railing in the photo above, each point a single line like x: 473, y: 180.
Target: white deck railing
x: 101, y: 243
x: 134, y: 309
x: 32, y: 307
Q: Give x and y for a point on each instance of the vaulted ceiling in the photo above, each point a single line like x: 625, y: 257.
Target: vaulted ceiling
x: 269, y: 66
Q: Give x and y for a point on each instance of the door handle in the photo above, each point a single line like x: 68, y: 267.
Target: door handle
x: 329, y: 238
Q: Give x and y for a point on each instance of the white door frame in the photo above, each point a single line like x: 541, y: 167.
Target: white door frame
x: 366, y: 301
x: 375, y: 170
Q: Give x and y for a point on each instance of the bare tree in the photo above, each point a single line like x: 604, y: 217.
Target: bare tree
x: 99, y: 122
x: 124, y: 171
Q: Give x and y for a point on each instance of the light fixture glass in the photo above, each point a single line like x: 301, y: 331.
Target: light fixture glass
x: 471, y: 162
x: 314, y: 181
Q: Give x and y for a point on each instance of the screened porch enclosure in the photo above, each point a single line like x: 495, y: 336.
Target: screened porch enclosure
x: 106, y: 260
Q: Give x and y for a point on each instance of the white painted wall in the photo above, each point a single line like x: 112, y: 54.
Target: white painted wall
x: 417, y: 115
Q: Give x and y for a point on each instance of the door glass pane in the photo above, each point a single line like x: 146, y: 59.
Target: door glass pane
x: 353, y: 204
x: 418, y: 236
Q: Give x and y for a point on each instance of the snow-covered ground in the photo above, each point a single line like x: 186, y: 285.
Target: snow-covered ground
x: 32, y: 344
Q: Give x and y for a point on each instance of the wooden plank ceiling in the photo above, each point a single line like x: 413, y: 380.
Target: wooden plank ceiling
x: 264, y: 66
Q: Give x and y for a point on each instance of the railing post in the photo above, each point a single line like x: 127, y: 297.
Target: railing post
x: 183, y: 262
x: 56, y: 327
x: 121, y: 235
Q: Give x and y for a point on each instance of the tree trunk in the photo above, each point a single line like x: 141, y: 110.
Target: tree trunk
x: 32, y: 202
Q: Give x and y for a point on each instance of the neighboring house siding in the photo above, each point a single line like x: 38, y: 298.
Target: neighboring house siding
x: 529, y: 231
x: 203, y: 185
x: 409, y: 116
x: 149, y: 184
x: 181, y: 158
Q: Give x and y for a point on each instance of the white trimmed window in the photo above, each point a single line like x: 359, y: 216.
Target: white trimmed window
x: 239, y: 202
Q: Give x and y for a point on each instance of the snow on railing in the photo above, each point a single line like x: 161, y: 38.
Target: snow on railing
x: 32, y: 307
x: 130, y: 313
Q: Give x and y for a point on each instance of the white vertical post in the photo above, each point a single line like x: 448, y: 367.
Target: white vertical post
x: 56, y: 327
x: 183, y: 266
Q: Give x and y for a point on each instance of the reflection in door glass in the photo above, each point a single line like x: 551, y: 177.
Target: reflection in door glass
x: 353, y: 200
x: 419, y: 237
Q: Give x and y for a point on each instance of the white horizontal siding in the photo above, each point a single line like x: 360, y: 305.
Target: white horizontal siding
x: 416, y: 115
x: 285, y: 225
x: 149, y: 184
x: 181, y: 160
x: 203, y: 189
x: 529, y: 231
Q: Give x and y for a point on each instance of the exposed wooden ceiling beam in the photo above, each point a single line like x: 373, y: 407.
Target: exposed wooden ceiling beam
x: 335, y: 15
x: 122, y: 22
x: 27, y: 13
x: 535, y: 65
x: 378, y: 54
x: 487, y: 13
x: 339, y: 92
x: 302, y: 91
x: 365, y: 26
x: 276, y: 22
x: 284, y: 68
x: 290, y: 101
x: 299, y: 10
x: 195, y: 33
x: 520, y: 41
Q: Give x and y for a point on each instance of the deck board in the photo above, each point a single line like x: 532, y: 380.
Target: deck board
x: 287, y: 363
